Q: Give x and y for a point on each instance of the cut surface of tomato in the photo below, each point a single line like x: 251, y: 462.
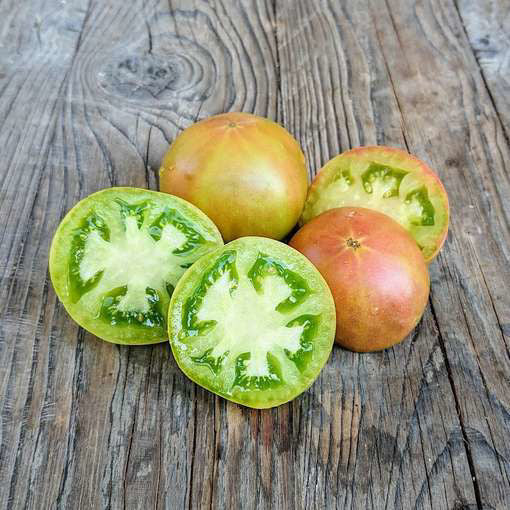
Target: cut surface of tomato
x: 117, y: 256
x: 253, y: 322
x: 387, y: 180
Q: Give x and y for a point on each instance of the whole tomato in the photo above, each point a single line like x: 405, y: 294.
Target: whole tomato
x: 376, y: 273
x: 247, y: 173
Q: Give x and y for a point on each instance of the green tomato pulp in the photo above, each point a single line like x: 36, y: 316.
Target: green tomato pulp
x: 253, y: 322
x: 117, y: 256
x: 388, y: 181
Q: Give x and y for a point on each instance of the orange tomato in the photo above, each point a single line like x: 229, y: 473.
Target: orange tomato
x: 247, y: 173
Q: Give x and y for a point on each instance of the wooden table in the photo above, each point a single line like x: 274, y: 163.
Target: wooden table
x: 92, y: 92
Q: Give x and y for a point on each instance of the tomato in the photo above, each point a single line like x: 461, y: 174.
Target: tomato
x: 245, y: 172
x: 117, y: 256
x: 254, y: 322
x: 390, y: 181
x: 376, y: 273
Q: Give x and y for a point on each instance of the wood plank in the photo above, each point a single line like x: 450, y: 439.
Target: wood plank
x: 402, y: 446
x: 487, y: 26
x: 92, y: 98
x: 83, y: 422
x: 416, y: 60
x: 448, y: 116
x: 35, y: 64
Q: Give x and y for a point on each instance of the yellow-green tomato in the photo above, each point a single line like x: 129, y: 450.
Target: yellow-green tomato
x: 387, y: 180
x: 247, y: 173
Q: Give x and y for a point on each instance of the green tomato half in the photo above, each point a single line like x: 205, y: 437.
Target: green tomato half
x: 387, y: 180
x: 253, y: 321
x: 117, y: 256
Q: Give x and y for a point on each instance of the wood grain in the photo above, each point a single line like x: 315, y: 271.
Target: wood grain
x: 487, y: 26
x: 92, y: 92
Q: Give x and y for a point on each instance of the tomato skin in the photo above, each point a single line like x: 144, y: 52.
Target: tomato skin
x: 376, y: 273
x: 393, y: 157
x: 247, y: 173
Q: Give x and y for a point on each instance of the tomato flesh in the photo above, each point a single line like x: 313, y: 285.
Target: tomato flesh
x: 390, y: 181
x: 253, y: 322
x: 117, y: 256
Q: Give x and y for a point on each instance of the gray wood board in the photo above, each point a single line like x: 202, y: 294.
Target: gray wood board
x: 91, y: 93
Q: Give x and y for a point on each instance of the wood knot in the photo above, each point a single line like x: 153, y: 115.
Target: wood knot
x: 184, y: 74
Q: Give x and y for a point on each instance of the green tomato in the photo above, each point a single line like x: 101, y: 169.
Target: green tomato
x: 253, y: 321
x: 117, y: 256
x: 387, y: 180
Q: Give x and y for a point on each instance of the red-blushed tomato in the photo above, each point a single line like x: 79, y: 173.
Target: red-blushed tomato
x: 390, y: 181
x: 376, y: 273
x: 247, y: 173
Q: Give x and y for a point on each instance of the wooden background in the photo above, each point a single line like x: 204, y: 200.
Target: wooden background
x: 91, y: 93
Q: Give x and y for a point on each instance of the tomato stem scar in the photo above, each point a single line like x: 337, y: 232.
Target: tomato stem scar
x: 352, y: 243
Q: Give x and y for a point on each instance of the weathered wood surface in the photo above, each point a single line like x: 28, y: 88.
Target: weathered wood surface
x: 90, y: 95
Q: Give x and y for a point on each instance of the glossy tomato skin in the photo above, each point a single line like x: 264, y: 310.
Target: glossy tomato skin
x: 247, y: 173
x: 376, y: 273
x: 418, y: 176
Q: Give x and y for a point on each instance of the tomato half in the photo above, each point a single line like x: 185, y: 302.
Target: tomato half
x: 117, y: 256
x: 253, y: 322
x: 375, y: 271
x: 390, y: 181
x: 247, y: 173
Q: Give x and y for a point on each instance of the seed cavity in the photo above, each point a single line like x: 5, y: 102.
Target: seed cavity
x: 267, y: 266
x: 136, y: 211
x: 343, y: 179
x: 420, y: 210
x: 382, y: 180
x: 77, y: 285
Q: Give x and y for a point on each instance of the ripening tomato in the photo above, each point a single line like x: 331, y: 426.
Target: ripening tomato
x: 247, y: 173
x: 253, y: 321
x: 375, y: 270
x: 390, y: 181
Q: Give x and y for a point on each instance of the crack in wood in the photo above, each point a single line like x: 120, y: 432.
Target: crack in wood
x: 467, y: 444
x: 193, y: 448
x: 392, y: 83
x: 72, y: 432
x: 147, y: 166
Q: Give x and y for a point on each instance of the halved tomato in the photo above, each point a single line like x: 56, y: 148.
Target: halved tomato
x: 117, y: 256
x: 253, y: 321
x: 390, y: 181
